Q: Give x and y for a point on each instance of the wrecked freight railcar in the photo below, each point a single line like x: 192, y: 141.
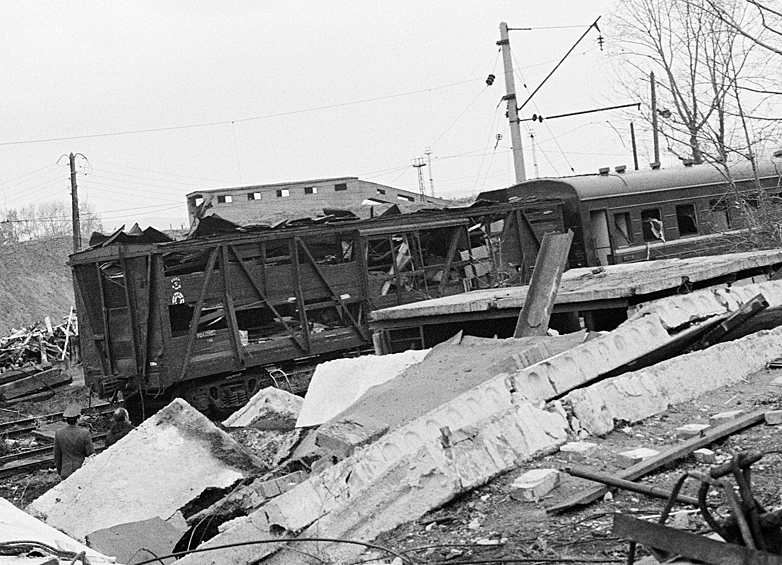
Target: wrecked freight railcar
x: 214, y: 318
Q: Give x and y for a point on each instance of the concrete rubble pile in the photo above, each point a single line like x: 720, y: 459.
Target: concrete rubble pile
x: 405, y: 434
x: 24, y: 536
x: 172, y: 466
x: 492, y: 410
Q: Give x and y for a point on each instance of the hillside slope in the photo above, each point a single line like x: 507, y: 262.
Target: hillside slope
x: 35, y: 281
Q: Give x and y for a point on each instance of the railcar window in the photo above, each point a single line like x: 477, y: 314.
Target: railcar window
x: 622, y: 225
x: 652, y: 225
x: 686, y: 219
x: 719, y: 216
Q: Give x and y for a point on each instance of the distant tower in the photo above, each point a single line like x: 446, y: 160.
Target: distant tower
x: 428, y: 154
x: 419, y: 164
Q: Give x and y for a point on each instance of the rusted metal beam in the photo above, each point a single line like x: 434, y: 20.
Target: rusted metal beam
x: 690, y: 546
x: 648, y: 490
x: 539, y: 302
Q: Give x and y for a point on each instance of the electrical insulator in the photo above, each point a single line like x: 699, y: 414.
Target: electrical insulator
x: 536, y: 118
x: 490, y: 80
x: 600, y: 41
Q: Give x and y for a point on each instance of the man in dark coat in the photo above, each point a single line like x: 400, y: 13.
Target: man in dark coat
x: 72, y: 444
x: 119, y: 428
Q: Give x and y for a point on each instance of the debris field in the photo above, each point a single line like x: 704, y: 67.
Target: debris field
x: 473, y: 451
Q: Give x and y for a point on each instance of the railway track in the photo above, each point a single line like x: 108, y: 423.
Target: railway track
x: 32, y: 459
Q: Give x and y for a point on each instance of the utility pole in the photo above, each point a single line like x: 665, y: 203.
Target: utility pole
x: 513, y: 110
x: 75, y: 206
x: 635, y: 150
x: 655, y: 136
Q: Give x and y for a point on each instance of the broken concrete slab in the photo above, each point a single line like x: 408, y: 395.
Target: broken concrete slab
x: 774, y: 417
x: 578, y: 450
x: 361, y: 507
x: 536, y: 483
x: 15, y: 525
x: 137, y: 541
x: 337, y: 384
x: 503, y: 365
x: 160, y: 469
x: 635, y: 396
x: 691, y: 430
x: 329, y: 501
x: 681, y: 310
x: 632, y: 457
x: 448, y: 371
x: 269, y: 409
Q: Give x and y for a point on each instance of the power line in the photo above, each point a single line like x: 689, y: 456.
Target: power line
x: 235, y: 121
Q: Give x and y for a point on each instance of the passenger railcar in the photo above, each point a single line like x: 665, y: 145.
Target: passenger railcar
x: 623, y: 216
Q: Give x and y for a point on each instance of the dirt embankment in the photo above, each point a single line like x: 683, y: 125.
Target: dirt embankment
x: 35, y: 282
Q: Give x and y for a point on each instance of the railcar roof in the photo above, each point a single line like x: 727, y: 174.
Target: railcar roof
x: 615, y: 184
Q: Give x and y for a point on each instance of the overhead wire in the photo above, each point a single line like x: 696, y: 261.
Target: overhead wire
x: 237, y: 120
x: 545, y: 156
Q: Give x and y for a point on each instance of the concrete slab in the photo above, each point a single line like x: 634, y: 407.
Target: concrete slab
x: 488, y: 428
x: 337, y: 384
x: 137, y: 541
x: 427, y: 478
x: 269, y: 409
x: 536, y: 483
x: 578, y: 450
x: 678, y: 311
x: 447, y: 372
x: 159, y: 469
x: 774, y: 417
x: 691, y: 430
x: 581, y: 285
x: 16, y: 525
x: 635, y: 396
x: 629, y: 458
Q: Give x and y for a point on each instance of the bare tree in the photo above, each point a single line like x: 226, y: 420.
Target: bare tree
x: 46, y: 220
x: 707, y: 71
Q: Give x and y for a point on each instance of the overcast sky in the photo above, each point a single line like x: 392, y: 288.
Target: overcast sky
x: 240, y: 93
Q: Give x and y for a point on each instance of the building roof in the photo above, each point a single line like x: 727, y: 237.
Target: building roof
x: 273, y: 185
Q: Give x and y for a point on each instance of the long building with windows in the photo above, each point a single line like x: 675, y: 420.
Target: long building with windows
x: 270, y: 203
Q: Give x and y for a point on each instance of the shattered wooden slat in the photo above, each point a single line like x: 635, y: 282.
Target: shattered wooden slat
x: 677, y: 452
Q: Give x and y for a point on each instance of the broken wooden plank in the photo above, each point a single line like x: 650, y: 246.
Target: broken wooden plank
x: 690, y: 546
x: 34, y: 383
x: 677, y: 452
x: 539, y: 302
